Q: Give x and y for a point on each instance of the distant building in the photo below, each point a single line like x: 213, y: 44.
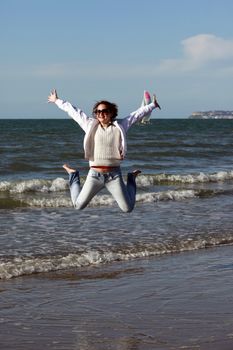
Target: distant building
x: 212, y: 115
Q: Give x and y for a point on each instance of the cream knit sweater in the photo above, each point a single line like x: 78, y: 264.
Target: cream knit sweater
x: 106, y: 144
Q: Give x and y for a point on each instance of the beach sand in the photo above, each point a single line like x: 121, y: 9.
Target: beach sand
x: 179, y: 301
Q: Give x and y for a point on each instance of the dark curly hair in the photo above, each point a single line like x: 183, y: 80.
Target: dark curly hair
x: 111, y: 106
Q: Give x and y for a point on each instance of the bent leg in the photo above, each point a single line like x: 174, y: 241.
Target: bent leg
x: 123, y: 194
x: 93, y: 184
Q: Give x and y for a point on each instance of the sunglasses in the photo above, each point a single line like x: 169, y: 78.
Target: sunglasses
x: 103, y: 111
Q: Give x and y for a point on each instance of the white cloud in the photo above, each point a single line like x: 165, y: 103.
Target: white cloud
x: 207, y: 47
x: 198, y: 51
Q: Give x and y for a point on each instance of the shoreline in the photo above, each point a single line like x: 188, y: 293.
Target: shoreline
x: 178, y: 301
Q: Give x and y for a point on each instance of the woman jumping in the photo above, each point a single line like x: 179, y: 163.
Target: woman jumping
x: 105, y: 148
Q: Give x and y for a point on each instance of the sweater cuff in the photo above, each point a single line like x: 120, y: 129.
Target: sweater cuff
x: 59, y: 102
x: 152, y: 105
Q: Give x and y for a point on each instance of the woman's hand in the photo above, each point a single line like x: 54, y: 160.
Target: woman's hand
x: 53, y: 96
x: 154, y: 100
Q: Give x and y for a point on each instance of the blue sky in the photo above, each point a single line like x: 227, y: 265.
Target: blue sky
x: 114, y: 49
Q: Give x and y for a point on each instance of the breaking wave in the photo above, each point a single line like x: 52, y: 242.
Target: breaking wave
x: 60, y: 184
x: 19, y: 266
x: 55, y: 193
x: 148, y: 180
x: 34, y: 185
x: 104, y: 200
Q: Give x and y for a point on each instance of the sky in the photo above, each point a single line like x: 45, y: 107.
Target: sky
x: 181, y: 50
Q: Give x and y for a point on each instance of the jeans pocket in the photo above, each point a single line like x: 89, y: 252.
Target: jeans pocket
x: 94, y: 174
x: 113, y: 175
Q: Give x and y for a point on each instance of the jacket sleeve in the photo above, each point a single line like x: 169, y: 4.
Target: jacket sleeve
x: 136, y: 116
x: 77, y: 114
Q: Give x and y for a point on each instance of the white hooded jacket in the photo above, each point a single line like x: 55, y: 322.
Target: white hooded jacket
x: 88, y: 124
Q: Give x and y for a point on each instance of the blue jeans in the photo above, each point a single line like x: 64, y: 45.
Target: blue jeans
x: 95, y: 181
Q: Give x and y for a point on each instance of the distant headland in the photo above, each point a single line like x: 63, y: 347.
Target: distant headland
x: 212, y: 115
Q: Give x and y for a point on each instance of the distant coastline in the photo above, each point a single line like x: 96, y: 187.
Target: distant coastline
x: 212, y: 115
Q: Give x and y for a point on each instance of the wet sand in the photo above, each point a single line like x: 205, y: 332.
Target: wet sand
x: 180, y: 301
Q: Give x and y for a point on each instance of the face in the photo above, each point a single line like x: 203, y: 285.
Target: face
x: 103, y: 114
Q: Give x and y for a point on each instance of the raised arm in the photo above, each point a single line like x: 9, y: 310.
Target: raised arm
x: 77, y: 114
x: 137, y: 115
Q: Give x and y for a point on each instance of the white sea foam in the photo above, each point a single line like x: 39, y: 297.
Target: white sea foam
x: 166, y: 195
x: 149, y: 180
x: 54, y: 193
x: 144, y: 180
x: 27, y: 266
x: 49, y: 202
x: 34, y: 185
x: 107, y: 200
x: 22, y: 266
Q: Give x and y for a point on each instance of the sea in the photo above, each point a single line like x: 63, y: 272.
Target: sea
x: 184, y: 195
x: 52, y: 256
